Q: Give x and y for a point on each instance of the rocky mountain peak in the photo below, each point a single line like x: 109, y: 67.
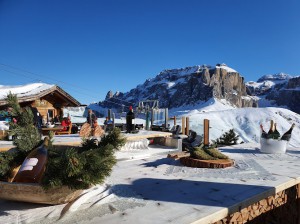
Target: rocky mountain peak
x: 190, y: 85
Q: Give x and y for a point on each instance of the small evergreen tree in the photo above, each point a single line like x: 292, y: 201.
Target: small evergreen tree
x: 26, y: 137
x: 228, y: 138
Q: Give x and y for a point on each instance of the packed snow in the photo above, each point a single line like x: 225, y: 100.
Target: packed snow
x: 146, y: 187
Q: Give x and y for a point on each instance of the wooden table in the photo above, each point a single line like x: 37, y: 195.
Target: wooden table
x: 54, y: 129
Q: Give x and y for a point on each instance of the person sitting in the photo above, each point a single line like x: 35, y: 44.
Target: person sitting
x: 108, y: 124
x: 56, y: 119
x: 44, y: 120
x: 66, y: 122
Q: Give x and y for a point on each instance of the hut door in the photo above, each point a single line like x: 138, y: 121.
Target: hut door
x: 50, y: 115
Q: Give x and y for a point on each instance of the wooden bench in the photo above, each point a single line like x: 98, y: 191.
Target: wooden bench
x: 65, y: 132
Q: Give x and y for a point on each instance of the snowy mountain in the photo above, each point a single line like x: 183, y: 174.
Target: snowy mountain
x: 185, y: 87
x: 276, y: 77
x: 217, y: 93
x: 281, y: 90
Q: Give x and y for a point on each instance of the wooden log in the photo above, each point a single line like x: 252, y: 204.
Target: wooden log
x: 177, y: 155
x: 234, y: 217
x: 219, y: 163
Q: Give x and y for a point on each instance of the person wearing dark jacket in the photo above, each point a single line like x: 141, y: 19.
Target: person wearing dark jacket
x: 91, y: 118
x: 37, y: 119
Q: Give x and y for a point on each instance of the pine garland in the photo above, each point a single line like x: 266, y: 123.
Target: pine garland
x: 199, y: 153
x: 81, y: 167
x: 207, y: 152
x: 215, y: 153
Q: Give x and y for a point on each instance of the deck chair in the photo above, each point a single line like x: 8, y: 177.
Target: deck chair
x: 65, y: 132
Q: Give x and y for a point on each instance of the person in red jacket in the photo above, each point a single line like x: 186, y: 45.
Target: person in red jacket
x: 66, y: 122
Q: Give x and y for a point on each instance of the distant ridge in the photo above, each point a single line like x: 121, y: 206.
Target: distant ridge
x: 278, y: 90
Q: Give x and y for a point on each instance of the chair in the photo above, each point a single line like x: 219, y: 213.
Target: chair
x: 65, y: 132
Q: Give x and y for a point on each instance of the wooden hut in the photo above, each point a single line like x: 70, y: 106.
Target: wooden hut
x: 48, y: 99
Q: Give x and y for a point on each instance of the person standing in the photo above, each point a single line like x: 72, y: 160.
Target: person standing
x: 130, y: 125
x: 91, y: 119
x: 37, y: 119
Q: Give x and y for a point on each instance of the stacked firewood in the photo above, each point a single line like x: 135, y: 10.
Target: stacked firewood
x: 280, y: 208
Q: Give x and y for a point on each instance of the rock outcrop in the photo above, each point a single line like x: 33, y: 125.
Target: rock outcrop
x: 188, y: 86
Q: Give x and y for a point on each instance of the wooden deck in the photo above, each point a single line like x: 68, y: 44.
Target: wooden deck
x: 76, y: 140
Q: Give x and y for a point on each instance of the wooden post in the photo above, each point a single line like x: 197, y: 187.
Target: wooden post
x: 173, y: 118
x: 206, y: 132
x: 187, y: 124
x: 183, y: 125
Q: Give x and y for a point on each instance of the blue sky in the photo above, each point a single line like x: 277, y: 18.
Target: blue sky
x: 89, y: 47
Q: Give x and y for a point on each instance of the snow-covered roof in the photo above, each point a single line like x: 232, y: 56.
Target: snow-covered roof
x: 24, y: 90
x: 31, y: 91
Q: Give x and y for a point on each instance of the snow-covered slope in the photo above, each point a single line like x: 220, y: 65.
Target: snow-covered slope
x: 244, y: 121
